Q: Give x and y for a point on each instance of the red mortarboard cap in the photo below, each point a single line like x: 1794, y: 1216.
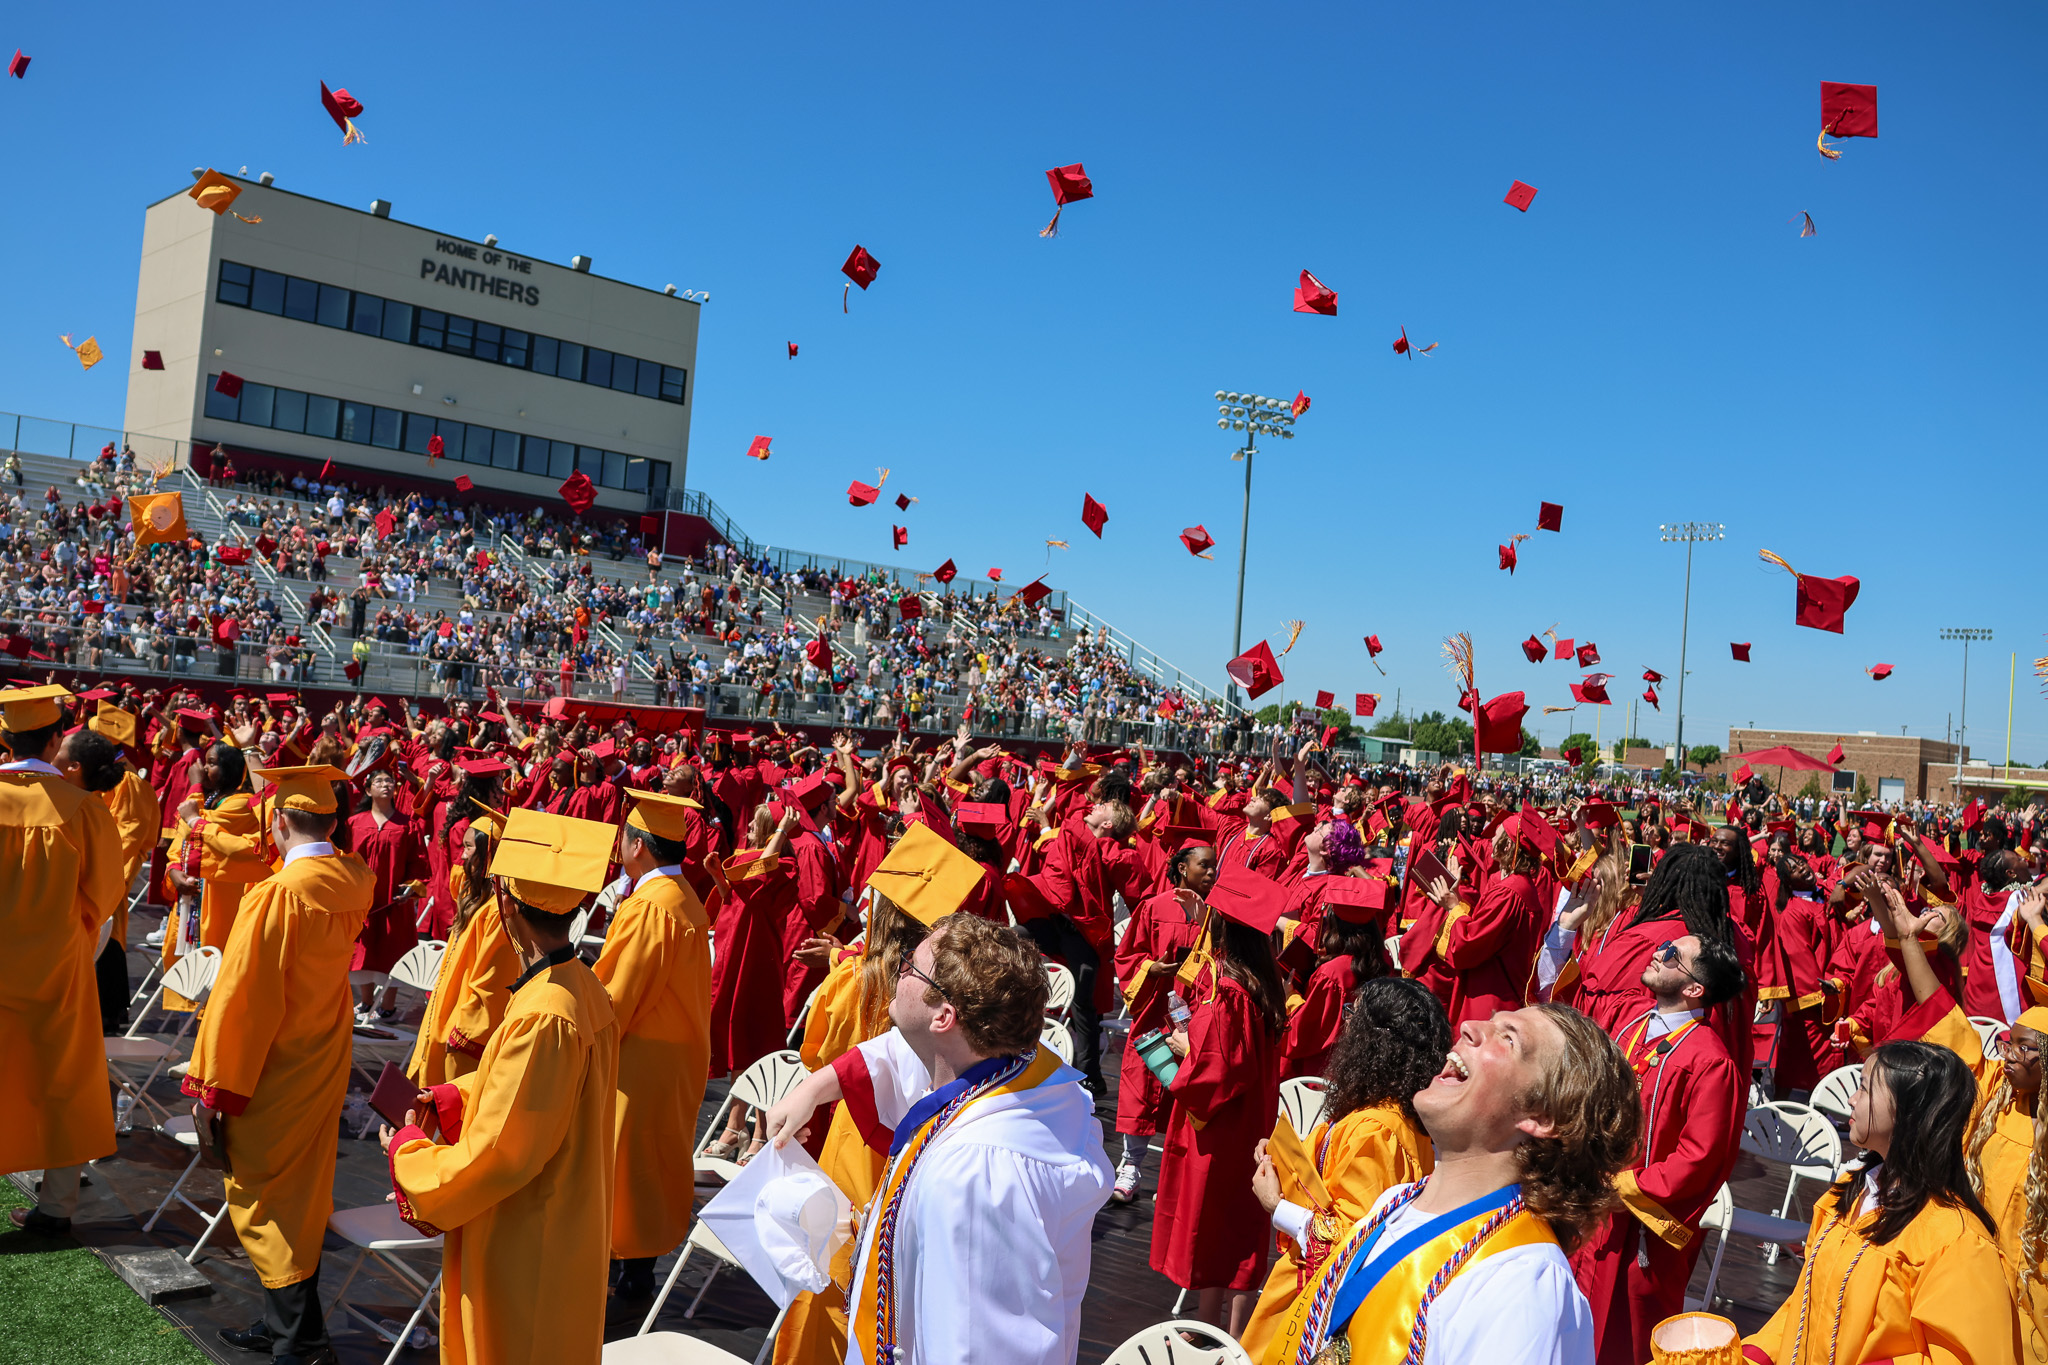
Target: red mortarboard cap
x: 1593, y: 690
x: 152, y: 360
x: 97, y: 694
x: 1197, y: 539
x: 1836, y: 754
x: 1031, y: 592
x: 228, y: 385
x: 1300, y: 403
x: 1070, y: 185
x: 819, y: 652
x: 1325, y: 700
x: 860, y: 494
x: 17, y: 645
x: 861, y: 268
x: 1743, y: 773
x: 1549, y: 516
x: 232, y: 554
x: 1365, y: 703
x: 604, y: 748
x: 436, y: 447
x: 1848, y: 110
x: 463, y: 483
x: 1256, y: 670
x: 1566, y: 648
x: 1574, y: 755
x: 1507, y: 557
x: 281, y: 698
x: 1356, y: 900
x: 352, y: 670
x: 579, y: 492
x: 1973, y: 815
x: 985, y: 818
x: 1252, y: 900
x: 386, y: 521
x: 488, y: 766
x: 1372, y: 646
x: 946, y: 573
x: 1093, y: 514
x: 1520, y: 196
x: 1599, y: 815
x: 995, y: 575
x: 1313, y: 296
x: 1589, y: 654
x: 1532, y: 650
x: 792, y: 350
x: 910, y: 606
x: 18, y: 68
x: 812, y: 790
x: 900, y: 535
x: 1403, y: 346
x: 1652, y: 676
x: 1650, y: 696
x: 1879, y: 672
x: 195, y: 718
x: 759, y: 448
x: 1740, y: 651
x: 903, y: 501
x: 1528, y: 828
x: 1824, y: 602
x: 341, y: 107
x: 1499, y: 724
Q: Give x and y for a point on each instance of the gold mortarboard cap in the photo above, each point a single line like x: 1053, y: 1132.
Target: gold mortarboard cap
x: 491, y: 823
x: 215, y: 191
x: 114, y: 723
x: 925, y: 875
x: 552, y: 861
x: 310, y: 788
x: 31, y: 708
x: 663, y: 816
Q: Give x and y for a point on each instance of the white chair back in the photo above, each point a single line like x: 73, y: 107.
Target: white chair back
x: 1302, y: 1100
x: 1837, y: 1091
x: 578, y: 925
x: 1062, y: 997
x: 769, y: 1079
x: 1798, y: 1135
x: 1718, y: 1213
x: 1989, y: 1031
x: 1056, y: 1037
x: 192, y: 975
x: 1164, y: 1342
x: 420, y: 968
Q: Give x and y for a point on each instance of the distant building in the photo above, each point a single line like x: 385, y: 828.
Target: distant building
x: 1895, y: 767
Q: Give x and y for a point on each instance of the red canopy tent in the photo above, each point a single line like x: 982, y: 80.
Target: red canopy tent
x: 1781, y: 757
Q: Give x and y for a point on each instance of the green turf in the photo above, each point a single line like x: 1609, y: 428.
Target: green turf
x: 63, y: 1306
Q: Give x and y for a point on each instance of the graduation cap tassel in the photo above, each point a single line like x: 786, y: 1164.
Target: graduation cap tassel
x: 1052, y: 229
x: 845, y: 293
x: 1778, y: 560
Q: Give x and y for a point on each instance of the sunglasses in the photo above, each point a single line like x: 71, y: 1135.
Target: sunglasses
x: 1667, y: 953
x: 909, y: 968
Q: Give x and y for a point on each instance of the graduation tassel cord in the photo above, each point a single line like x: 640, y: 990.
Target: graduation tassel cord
x: 845, y: 293
x: 1052, y: 229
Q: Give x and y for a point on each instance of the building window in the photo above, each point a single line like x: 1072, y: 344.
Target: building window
x: 262, y: 405
x: 266, y: 291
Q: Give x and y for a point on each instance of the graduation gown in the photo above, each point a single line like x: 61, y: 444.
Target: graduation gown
x: 1208, y: 1230
x: 470, y: 994
x: 1694, y: 1101
x: 273, y: 1054
x: 747, y: 1020
x: 393, y: 852
x: 521, y: 1178
x: 1488, y: 951
x: 1157, y: 938
x: 1313, y: 1027
x: 234, y: 855
x: 1354, y: 1161
x: 656, y: 966
x: 60, y: 856
x: 816, y: 910
x: 138, y: 819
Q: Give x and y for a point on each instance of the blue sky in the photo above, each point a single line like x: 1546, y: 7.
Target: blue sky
x: 1651, y: 342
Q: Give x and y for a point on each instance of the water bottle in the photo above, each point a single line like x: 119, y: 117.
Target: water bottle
x: 124, y: 1113
x: 1176, y: 1009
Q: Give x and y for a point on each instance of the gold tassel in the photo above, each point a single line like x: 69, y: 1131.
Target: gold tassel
x: 1052, y: 229
x: 352, y: 133
x: 1778, y: 560
x: 1809, y: 230
x: 1458, y: 657
x: 1294, y: 629
x: 1826, y: 148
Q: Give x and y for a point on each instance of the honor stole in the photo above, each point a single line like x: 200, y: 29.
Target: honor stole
x: 1381, y: 1308
x: 874, y: 1323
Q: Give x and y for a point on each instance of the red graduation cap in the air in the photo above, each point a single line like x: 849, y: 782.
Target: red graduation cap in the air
x: 792, y: 350
x: 1403, y: 346
x: 152, y: 360
x: 579, y: 492
x: 1256, y: 670
x: 1372, y: 646
x: 1032, y: 592
x: 819, y: 652
x: 995, y: 575
x: 1497, y: 724
x: 1198, y: 541
x: 1821, y: 603
x: 436, y: 447
x: 1652, y: 676
x: 1565, y: 648
x: 1588, y: 655
x: 228, y: 385
x: 463, y: 483
x: 1650, y: 696
x: 1574, y: 755
x: 1879, y: 672
x: 1593, y: 690
x: 1093, y: 514
x: 1325, y: 700
x: 1740, y: 651
x: 758, y: 449
x: 1549, y: 516
x: 1836, y: 754
x: 1532, y: 650
x: 1070, y: 185
x: 1313, y: 296
x: 1507, y: 553
x: 860, y: 268
x: 900, y: 535
x: 18, y: 68
x: 1365, y: 703
x: 1520, y: 196
x: 1300, y: 403
x: 903, y: 501
x: 342, y: 107
x: 946, y: 573
x: 1845, y: 111
x: 910, y: 607
x: 860, y: 494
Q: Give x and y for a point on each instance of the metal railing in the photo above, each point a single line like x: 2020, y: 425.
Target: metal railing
x: 83, y: 440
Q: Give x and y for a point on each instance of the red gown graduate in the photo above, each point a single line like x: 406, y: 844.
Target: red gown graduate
x: 1313, y: 1027
x: 748, y: 1019
x: 1157, y: 938
x: 1482, y: 957
x: 392, y: 849
x: 1981, y: 910
x: 816, y: 910
x: 1693, y: 1098
x: 1207, y: 1227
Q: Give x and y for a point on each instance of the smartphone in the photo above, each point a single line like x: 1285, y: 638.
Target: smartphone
x: 1638, y: 861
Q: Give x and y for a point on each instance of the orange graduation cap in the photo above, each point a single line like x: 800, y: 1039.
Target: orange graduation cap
x: 1198, y: 541
x: 218, y: 193
x: 18, y: 68
x: 1588, y: 655
x: 1093, y: 514
x: 1300, y: 403
x: 1549, y: 516
x: 1879, y: 672
x: 1070, y: 185
x: 1845, y: 111
x: 860, y: 268
x: 758, y: 449
x: 1403, y: 346
x: 1520, y: 196
x: 1532, y: 650
x: 900, y: 535
x: 1256, y: 670
x: 87, y: 351
x: 946, y: 573
x: 342, y: 107
x: 578, y: 491
x: 158, y: 518
x: 1365, y: 703
x: 152, y: 360
x: 1821, y: 603
x: 1313, y: 296
x: 1740, y: 651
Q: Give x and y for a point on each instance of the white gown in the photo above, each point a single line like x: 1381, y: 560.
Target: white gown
x: 992, y: 1244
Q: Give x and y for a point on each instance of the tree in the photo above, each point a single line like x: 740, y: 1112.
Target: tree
x: 1705, y: 755
x: 1341, y: 718
x: 1812, y: 790
x: 1393, y: 726
x: 1578, y: 739
x: 1532, y: 747
x: 1862, y: 797
x: 1443, y: 735
x: 1638, y: 742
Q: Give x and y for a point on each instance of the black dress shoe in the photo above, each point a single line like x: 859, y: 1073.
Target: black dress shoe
x: 255, y: 1337
x: 38, y: 1223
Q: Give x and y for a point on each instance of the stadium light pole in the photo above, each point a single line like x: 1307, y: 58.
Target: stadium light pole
x: 1255, y: 415
x: 1965, y: 634
x: 1691, y: 533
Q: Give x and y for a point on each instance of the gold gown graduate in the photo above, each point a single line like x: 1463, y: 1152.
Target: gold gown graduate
x: 138, y: 818
x: 60, y: 858
x: 273, y: 1053
x: 471, y: 991
x: 520, y: 1179
x: 656, y: 966
x: 1337, y: 1175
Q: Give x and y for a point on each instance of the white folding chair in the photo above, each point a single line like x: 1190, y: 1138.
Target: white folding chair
x: 1301, y: 1102
x: 1062, y: 998
x: 182, y: 1131
x: 1989, y: 1031
x: 1798, y: 1136
x: 420, y: 968
x: 377, y: 1230
x: 668, y: 1348
x: 1836, y: 1092
x: 190, y: 976
x: 701, y: 1238
x: 1164, y: 1344
x: 1723, y: 1217
x: 760, y: 1086
x: 1057, y: 1037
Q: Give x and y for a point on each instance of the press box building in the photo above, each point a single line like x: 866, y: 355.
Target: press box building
x: 358, y: 338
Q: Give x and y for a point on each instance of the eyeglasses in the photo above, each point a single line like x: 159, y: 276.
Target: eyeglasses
x: 2006, y: 1050
x: 909, y: 968
x: 1667, y: 953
